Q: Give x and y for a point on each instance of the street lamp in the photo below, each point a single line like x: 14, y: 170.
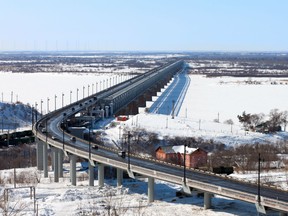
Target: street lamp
x: 89, y: 137
x: 55, y: 101
x: 259, y: 171
x: 173, y: 107
x: 100, y: 86
x: 62, y: 100
x: 63, y: 127
x: 96, y: 87
x: 77, y: 94
x: 70, y: 96
x: 48, y: 105
x: 11, y: 96
x: 88, y: 90
x: 184, y: 174
x: 83, y: 90
x: 36, y: 112
x: 129, y: 136
x: 41, y: 107
x: 32, y: 112
x: 92, y: 88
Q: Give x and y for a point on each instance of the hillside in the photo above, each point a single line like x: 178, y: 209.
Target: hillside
x: 15, y: 115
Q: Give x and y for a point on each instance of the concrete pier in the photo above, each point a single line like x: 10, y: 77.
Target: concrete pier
x: 60, y: 162
x: 91, y: 175
x: 119, y: 177
x: 39, y: 155
x: 100, y: 175
x: 150, y: 189
x: 207, y: 200
x: 73, y: 169
x: 56, y: 164
x: 45, y: 160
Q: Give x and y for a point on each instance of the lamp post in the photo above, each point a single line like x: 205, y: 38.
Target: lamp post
x: 173, y: 108
x: 77, y: 94
x: 36, y: 112
x: 89, y: 137
x: 100, y: 86
x: 70, y: 96
x: 48, y: 105
x: 129, y: 136
x: 92, y: 88
x: 96, y: 87
x: 63, y: 127
x: 41, y: 107
x: 11, y: 96
x: 62, y: 100
x: 83, y: 91
x: 259, y: 171
x: 88, y: 90
x: 55, y: 97
x: 32, y: 112
x: 184, y: 174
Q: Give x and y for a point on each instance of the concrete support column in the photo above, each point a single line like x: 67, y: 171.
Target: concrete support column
x: 56, y: 166
x: 60, y: 162
x: 119, y: 177
x: 73, y: 169
x: 91, y: 175
x: 102, y: 114
x: 150, y: 189
x: 53, y: 160
x: 111, y: 108
x: 100, y: 175
x: 45, y: 160
x: 106, y: 111
x: 39, y: 155
x: 207, y: 200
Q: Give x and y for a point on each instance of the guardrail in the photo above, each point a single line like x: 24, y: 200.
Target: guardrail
x: 235, y: 194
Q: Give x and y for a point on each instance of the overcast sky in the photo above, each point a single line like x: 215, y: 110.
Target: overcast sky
x: 144, y: 25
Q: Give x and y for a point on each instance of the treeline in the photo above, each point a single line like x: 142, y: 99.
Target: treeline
x: 256, y: 122
x: 246, y: 157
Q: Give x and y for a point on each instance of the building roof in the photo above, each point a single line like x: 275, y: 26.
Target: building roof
x: 177, y: 149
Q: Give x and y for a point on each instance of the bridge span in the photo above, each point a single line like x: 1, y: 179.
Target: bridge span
x: 52, y: 133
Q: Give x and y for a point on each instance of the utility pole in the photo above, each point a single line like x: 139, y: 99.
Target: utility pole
x: 173, y: 104
x: 129, y: 136
x: 184, y: 175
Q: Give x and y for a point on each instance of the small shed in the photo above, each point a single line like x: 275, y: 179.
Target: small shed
x: 195, y: 157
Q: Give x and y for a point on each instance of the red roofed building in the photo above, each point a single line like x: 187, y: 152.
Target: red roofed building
x: 195, y: 157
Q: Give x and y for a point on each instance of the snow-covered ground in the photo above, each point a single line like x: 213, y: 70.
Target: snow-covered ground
x: 207, y: 99
x: 62, y: 199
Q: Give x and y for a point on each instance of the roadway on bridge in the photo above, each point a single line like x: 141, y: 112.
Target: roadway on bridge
x: 173, y: 170
x: 176, y: 92
x: 158, y: 169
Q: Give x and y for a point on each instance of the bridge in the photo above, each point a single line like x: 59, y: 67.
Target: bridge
x: 52, y: 133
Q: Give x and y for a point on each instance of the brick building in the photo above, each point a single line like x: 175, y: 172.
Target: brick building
x: 195, y: 157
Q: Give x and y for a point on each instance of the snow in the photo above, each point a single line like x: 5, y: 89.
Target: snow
x: 130, y: 199
x: 207, y: 99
